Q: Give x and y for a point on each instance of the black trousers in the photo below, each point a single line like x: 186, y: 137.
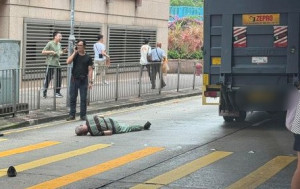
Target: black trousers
x: 80, y: 84
x: 49, y: 76
x: 155, y: 69
x: 148, y: 70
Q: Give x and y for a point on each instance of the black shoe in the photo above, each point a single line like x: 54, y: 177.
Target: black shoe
x: 83, y: 118
x: 163, y: 85
x: 70, y: 118
x: 45, y: 94
x: 11, y: 172
x: 1, y: 134
x: 147, y: 125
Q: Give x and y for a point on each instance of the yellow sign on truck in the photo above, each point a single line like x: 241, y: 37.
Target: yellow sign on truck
x: 261, y: 19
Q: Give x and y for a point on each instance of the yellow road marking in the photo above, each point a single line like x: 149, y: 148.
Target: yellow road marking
x: 3, y: 139
x: 263, y: 173
x: 182, y: 171
x: 55, y: 158
x: 85, y: 173
x: 28, y: 148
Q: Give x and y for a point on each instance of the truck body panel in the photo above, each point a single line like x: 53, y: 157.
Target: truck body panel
x: 251, y: 51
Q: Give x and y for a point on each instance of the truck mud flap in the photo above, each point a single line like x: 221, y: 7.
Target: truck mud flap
x: 227, y: 102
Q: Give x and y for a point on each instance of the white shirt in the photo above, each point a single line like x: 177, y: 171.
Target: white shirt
x: 145, y: 50
x: 98, y: 48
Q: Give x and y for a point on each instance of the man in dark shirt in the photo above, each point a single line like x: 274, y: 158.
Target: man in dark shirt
x: 81, y: 79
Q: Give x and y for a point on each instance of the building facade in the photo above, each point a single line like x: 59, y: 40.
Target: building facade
x: 124, y: 24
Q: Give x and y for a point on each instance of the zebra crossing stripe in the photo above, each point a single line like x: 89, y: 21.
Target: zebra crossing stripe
x: 182, y: 171
x: 91, y: 171
x: 55, y: 158
x: 3, y: 139
x: 264, y: 173
x: 28, y: 148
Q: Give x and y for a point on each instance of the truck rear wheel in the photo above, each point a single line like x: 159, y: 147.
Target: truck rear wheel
x: 242, y: 117
x: 228, y: 118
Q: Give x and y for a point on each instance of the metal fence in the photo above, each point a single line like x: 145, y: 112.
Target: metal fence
x: 22, y: 89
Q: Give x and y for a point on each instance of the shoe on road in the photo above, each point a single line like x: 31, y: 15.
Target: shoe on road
x: 58, y: 95
x: 70, y: 118
x: 11, y: 172
x: 147, y: 125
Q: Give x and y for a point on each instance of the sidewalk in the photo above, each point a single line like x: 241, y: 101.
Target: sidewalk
x: 42, y: 116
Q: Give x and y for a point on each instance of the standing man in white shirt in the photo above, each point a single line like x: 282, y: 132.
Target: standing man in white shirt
x: 145, y: 51
x: 100, y: 57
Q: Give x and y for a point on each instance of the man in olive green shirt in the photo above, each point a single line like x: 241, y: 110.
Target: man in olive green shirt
x: 53, y: 51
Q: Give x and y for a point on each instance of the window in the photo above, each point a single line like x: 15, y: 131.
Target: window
x: 38, y: 32
x: 125, y: 44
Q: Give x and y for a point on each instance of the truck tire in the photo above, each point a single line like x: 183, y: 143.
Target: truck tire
x: 228, y: 118
x: 242, y: 117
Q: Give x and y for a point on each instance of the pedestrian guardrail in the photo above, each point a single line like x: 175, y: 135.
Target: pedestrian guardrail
x: 22, y: 89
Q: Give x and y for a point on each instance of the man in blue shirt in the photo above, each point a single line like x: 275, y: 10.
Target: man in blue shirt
x: 158, y: 55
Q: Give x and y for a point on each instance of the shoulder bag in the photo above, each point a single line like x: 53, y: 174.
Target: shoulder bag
x: 149, y: 56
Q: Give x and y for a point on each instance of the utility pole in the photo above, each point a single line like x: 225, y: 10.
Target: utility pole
x: 70, y: 50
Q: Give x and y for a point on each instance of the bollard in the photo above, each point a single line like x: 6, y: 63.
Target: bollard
x: 160, y: 78
x: 14, y: 90
x: 140, y: 80
x: 198, y: 69
x: 54, y: 88
x: 194, y: 76
x: 178, y: 75
x: 117, y: 83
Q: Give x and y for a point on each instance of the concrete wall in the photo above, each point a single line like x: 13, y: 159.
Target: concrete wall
x: 152, y: 13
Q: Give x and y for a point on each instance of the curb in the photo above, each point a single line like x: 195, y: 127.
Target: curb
x: 95, y: 110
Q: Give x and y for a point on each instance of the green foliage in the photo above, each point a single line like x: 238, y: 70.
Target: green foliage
x: 172, y: 54
x: 196, y: 55
x: 192, y: 3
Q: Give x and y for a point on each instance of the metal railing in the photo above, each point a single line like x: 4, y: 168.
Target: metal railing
x: 22, y: 89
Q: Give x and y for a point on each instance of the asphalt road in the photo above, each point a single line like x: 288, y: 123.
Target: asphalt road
x: 188, y: 146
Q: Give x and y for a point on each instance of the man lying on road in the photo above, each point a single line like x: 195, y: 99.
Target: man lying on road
x: 99, y: 126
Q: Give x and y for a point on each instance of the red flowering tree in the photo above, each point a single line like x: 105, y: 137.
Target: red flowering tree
x: 185, y: 39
